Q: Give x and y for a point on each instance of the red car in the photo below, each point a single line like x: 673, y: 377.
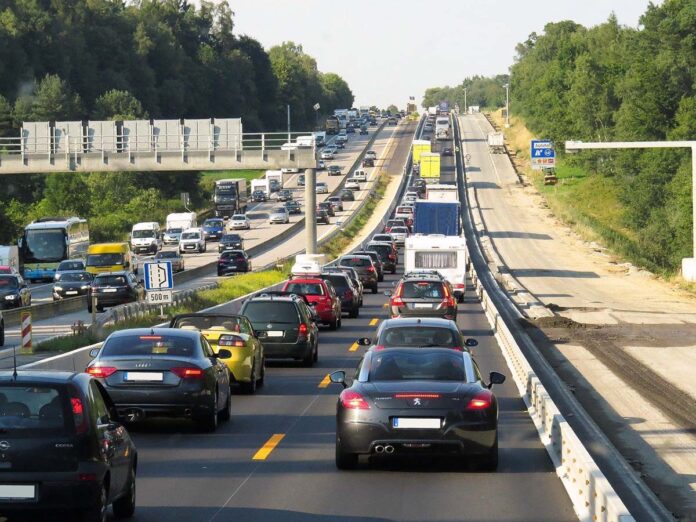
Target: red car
x: 321, y: 295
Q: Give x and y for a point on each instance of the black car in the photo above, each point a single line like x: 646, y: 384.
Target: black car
x: 421, y: 332
x: 447, y: 151
x: 352, y: 275
x: 350, y: 129
x: 322, y: 217
x: 164, y: 372
x: 423, y: 295
x: 258, y: 196
x: 365, y: 268
x: 329, y: 207
x: 64, y: 451
x: 334, y: 170
x: 284, y: 195
x: 231, y: 242
x: 293, y: 207
x: 285, y: 325
x: 14, y: 292
x: 346, y: 195
x: 114, y: 288
x: 368, y: 162
x: 363, y: 130
x: 71, y: 284
x: 346, y: 292
x: 233, y: 261
x: 417, y: 401
x: 386, y: 255
x: 376, y: 259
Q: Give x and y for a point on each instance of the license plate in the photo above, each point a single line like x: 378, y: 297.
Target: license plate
x: 71, y: 292
x: 144, y: 376
x: 274, y: 333
x: 422, y: 305
x: 110, y: 290
x: 190, y: 247
x: 17, y: 491
x: 416, y: 423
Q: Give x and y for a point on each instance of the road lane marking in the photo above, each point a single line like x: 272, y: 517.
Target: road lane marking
x: 270, y: 445
x: 374, y: 322
x: 325, y: 381
x: 353, y: 347
x: 385, y: 305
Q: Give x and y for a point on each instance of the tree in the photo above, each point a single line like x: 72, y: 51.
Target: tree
x: 118, y: 105
x: 6, y: 123
x: 393, y: 109
x: 55, y: 100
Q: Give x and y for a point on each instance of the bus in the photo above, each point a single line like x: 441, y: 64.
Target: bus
x: 48, y: 241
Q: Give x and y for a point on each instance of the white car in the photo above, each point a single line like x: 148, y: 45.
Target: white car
x: 371, y: 154
x: 404, y: 212
x: 239, y: 222
x: 411, y: 193
x: 328, y: 154
x: 192, y: 240
x: 399, y: 234
x: 322, y: 188
x: 279, y: 215
x: 359, y: 175
x: 409, y: 198
x: 321, y: 165
x: 351, y: 184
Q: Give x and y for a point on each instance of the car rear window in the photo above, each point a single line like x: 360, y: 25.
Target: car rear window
x: 383, y: 237
x: 419, y: 336
x: 32, y: 409
x: 422, y: 289
x: 339, y: 282
x: 232, y: 255
x: 110, y: 280
x: 150, y: 345
x: 232, y: 324
x: 305, y: 288
x: 355, y: 261
x: 382, y: 250
x: 404, y: 210
x: 397, y: 365
x: 271, y: 312
x: 169, y: 254
x: 71, y: 265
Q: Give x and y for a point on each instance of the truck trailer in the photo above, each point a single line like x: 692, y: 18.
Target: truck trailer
x: 230, y: 197
x: 437, y: 192
x: 430, y: 167
x: 437, y: 217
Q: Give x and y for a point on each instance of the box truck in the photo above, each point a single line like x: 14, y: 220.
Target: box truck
x: 430, y: 167
x: 418, y: 147
x: 437, y: 217
x: 439, y: 192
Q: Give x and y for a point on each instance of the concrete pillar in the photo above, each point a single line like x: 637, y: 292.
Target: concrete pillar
x: 310, y: 211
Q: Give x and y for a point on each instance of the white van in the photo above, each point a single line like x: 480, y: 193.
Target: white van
x: 446, y: 254
x: 176, y: 224
x: 192, y: 240
x: 146, y: 237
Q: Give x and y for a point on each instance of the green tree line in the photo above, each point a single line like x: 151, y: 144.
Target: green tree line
x: 485, y: 92
x: 100, y: 59
x: 611, y: 82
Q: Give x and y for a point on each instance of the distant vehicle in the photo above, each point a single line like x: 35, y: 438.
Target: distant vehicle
x: 423, y: 295
x: 319, y: 138
x: 328, y: 206
x: 328, y: 153
x: 391, y: 121
x: 391, y: 223
x: 321, y: 165
x: 447, y: 151
x: 428, y: 127
x: 173, y: 257
x: 368, y: 162
x: 301, y: 180
x: 334, y: 170
x: 371, y: 154
x: 213, y: 228
x: 352, y: 184
x: 336, y: 201
x: 275, y: 179
x: 274, y: 186
x: 447, y: 253
x: 496, y: 142
x: 365, y: 268
x: 332, y: 125
x: 442, y: 128
x: 71, y: 284
x: 69, y: 451
x: 164, y: 372
x: 48, y: 241
x: 146, y: 237
x: 363, y: 130
x: 399, y: 234
x: 293, y: 207
x: 230, y: 197
x: 359, y: 175
x: 346, y: 292
x: 347, y: 194
x: 322, y: 188
x: 284, y: 195
x: 176, y: 224
x: 233, y: 261
x: 258, y: 196
x: 279, y: 215
x: 387, y: 254
x: 239, y: 222
x: 14, y: 292
x: 231, y: 241
x: 322, y: 216
x: 350, y: 129
x: 114, y: 288
x: 262, y: 186
x: 110, y: 257
x: 192, y: 240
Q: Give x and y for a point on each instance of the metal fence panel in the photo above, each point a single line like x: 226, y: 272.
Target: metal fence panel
x: 227, y: 133
x: 167, y: 135
x: 67, y: 136
x: 36, y: 137
x: 137, y: 136
x: 101, y: 135
x: 198, y: 134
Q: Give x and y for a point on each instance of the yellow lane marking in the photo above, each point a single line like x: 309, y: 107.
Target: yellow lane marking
x: 385, y: 305
x: 270, y: 445
x: 353, y: 347
x: 325, y: 381
x: 374, y: 322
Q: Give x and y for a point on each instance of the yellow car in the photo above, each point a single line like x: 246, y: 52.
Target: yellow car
x: 247, y: 366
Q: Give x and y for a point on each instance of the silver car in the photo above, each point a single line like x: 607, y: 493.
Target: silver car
x: 399, y: 234
x: 239, y: 222
x: 322, y: 188
x: 279, y: 215
x: 328, y: 154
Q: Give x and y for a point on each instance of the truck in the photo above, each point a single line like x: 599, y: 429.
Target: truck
x: 319, y: 138
x: 439, y: 192
x: 430, y: 167
x: 432, y: 111
x: 444, y: 253
x: 176, y: 223
x: 261, y: 184
x: 332, y: 125
x: 496, y: 143
x: 230, y: 197
x: 442, y: 128
x: 364, y: 111
x: 9, y: 256
x: 437, y: 217
x: 275, y: 175
x: 146, y: 237
x: 418, y: 147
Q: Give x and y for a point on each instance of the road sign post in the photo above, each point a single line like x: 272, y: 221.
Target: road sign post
x: 25, y: 318
x: 542, y: 154
x: 159, y: 282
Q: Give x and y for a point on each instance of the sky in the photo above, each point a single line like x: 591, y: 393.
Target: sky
x: 388, y: 50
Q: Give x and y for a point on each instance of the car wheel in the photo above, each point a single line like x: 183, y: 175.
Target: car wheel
x: 345, y: 460
x: 226, y: 414
x: 354, y: 312
x: 124, y: 507
x: 340, y: 322
x: 262, y: 374
x: 460, y: 299
x: 209, y: 421
x: 250, y: 387
x: 333, y: 325
x: 375, y: 289
x: 489, y: 462
x: 97, y: 513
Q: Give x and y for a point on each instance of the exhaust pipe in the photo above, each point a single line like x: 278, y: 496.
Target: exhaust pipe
x: 379, y: 448
x: 389, y: 449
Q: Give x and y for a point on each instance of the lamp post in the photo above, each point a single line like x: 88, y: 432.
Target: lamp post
x: 688, y: 263
x: 465, y: 105
x: 507, y: 105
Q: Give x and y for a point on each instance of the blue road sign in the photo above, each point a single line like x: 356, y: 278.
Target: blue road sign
x: 158, y: 276
x: 543, y: 154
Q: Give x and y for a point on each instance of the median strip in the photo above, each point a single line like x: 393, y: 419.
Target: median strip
x: 374, y: 322
x: 325, y: 381
x: 267, y: 448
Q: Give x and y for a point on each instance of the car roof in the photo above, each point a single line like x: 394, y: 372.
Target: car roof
x: 46, y: 376
x: 155, y: 331
x: 419, y: 321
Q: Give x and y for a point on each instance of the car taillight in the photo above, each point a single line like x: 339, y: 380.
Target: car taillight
x: 230, y: 340
x: 352, y: 400
x: 303, y: 331
x: 392, y: 257
x: 458, y: 348
x: 188, y: 372
x: 396, y: 298
x: 101, y: 372
x: 380, y: 347
x: 348, y: 294
x: 370, y: 268
x: 79, y: 417
x: 481, y: 401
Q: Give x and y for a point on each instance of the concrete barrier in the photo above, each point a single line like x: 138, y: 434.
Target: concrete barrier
x: 45, y: 310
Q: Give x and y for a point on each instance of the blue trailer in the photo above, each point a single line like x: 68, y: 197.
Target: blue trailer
x: 437, y: 217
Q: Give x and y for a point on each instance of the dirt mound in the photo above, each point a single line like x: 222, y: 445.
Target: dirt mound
x: 558, y: 321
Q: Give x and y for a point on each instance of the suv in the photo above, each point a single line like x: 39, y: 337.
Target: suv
x: 67, y: 448
x: 365, y: 268
x: 192, y: 239
x: 376, y: 260
x: 233, y: 261
x: 321, y: 296
x: 114, y: 288
x: 387, y: 255
x: 423, y: 295
x: 349, y: 295
x: 285, y: 327
x: 14, y: 292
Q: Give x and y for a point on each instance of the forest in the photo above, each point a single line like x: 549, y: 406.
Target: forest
x: 487, y: 93
x: 105, y: 59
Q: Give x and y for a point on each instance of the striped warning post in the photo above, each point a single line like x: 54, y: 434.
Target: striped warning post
x: 26, y: 332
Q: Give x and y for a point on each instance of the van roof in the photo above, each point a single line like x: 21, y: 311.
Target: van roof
x: 102, y: 248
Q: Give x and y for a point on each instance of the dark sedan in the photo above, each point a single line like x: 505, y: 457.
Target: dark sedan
x: 334, y: 170
x: 328, y: 206
x: 447, y: 151
x: 233, y: 261
x: 231, y: 241
x: 284, y: 195
x: 259, y: 196
x: 114, y: 288
x: 417, y: 401
x: 164, y: 372
x: 14, y: 292
x: 421, y: 332
x: 293, y: 207
x: 71, y: 284
x: 322, y: 216
x: 346, y: 195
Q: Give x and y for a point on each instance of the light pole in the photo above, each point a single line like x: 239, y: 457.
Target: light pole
x: 310, y: 211
x: 507, y: 105
x: 688, y: 263
x: 288, y: 106
x: 465, y: 105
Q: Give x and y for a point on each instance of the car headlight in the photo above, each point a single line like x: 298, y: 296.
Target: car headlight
x: 84, y: 287
x: 10, y: 297
x: 58, y: 288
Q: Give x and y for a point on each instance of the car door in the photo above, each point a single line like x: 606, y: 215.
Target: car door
x: 220, y: 370
x: 246, y: 328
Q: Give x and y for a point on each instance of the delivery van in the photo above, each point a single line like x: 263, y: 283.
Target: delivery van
x: 110, y: 257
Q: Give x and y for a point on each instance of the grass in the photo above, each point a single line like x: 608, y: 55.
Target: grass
x: 225, y: 174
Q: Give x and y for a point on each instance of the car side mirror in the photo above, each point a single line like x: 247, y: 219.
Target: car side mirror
x: 471, y: 343
x: 388, y: 293
x: 94, y: 352
x: 364, y: 341
x: 223, y: 354
x: 495, y: 378
x: 338, y: 377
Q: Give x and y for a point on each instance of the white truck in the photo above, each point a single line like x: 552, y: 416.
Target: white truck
x: 261, y: 184
x: 438, y: 192
x: 176, y: 223
x: 146, y: 237
x: 446, y: 254
x: 9, y: 256
x: 442, y: 128
x: 319, y: 138
x: 496, y: 143
x: 276, y: 175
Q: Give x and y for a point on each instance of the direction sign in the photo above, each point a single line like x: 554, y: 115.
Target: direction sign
x: 161, y: 297
x: 158, y: 276
x: 543, y: 154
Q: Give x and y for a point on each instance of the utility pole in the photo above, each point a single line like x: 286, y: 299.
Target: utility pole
x: 507, y: 105
x: 310, y: 211
x: 465, y: 105
x: 288, y: 123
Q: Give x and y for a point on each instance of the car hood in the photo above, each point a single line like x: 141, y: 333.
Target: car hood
x: 71, y: 285
x: 8, y: 292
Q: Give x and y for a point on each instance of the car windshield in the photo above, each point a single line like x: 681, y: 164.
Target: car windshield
x: 321, y: 185
x: 230, y: 238
x: 355, y: 261
x: 71, y: 265
x: 305, y: 288
x: 169, y: 254
x: 422, y: 290
x: 232, y: 254
x: 398, y: 365
x: 104, y: 259
x: 207, y: 322
x: 190, y: 235
x: 213, y: 223
x: 110, y: 280
x: 395, y: 222
x: 8, y: 282
x: 149, y: 345
x: 261, y: 312
x: 33, y: 409
x: 238, y: 217
x: 418, y: 336
x: 174, y: 231
x: 142, y: 234
x: 339, y: 282
x: 71, y: 277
